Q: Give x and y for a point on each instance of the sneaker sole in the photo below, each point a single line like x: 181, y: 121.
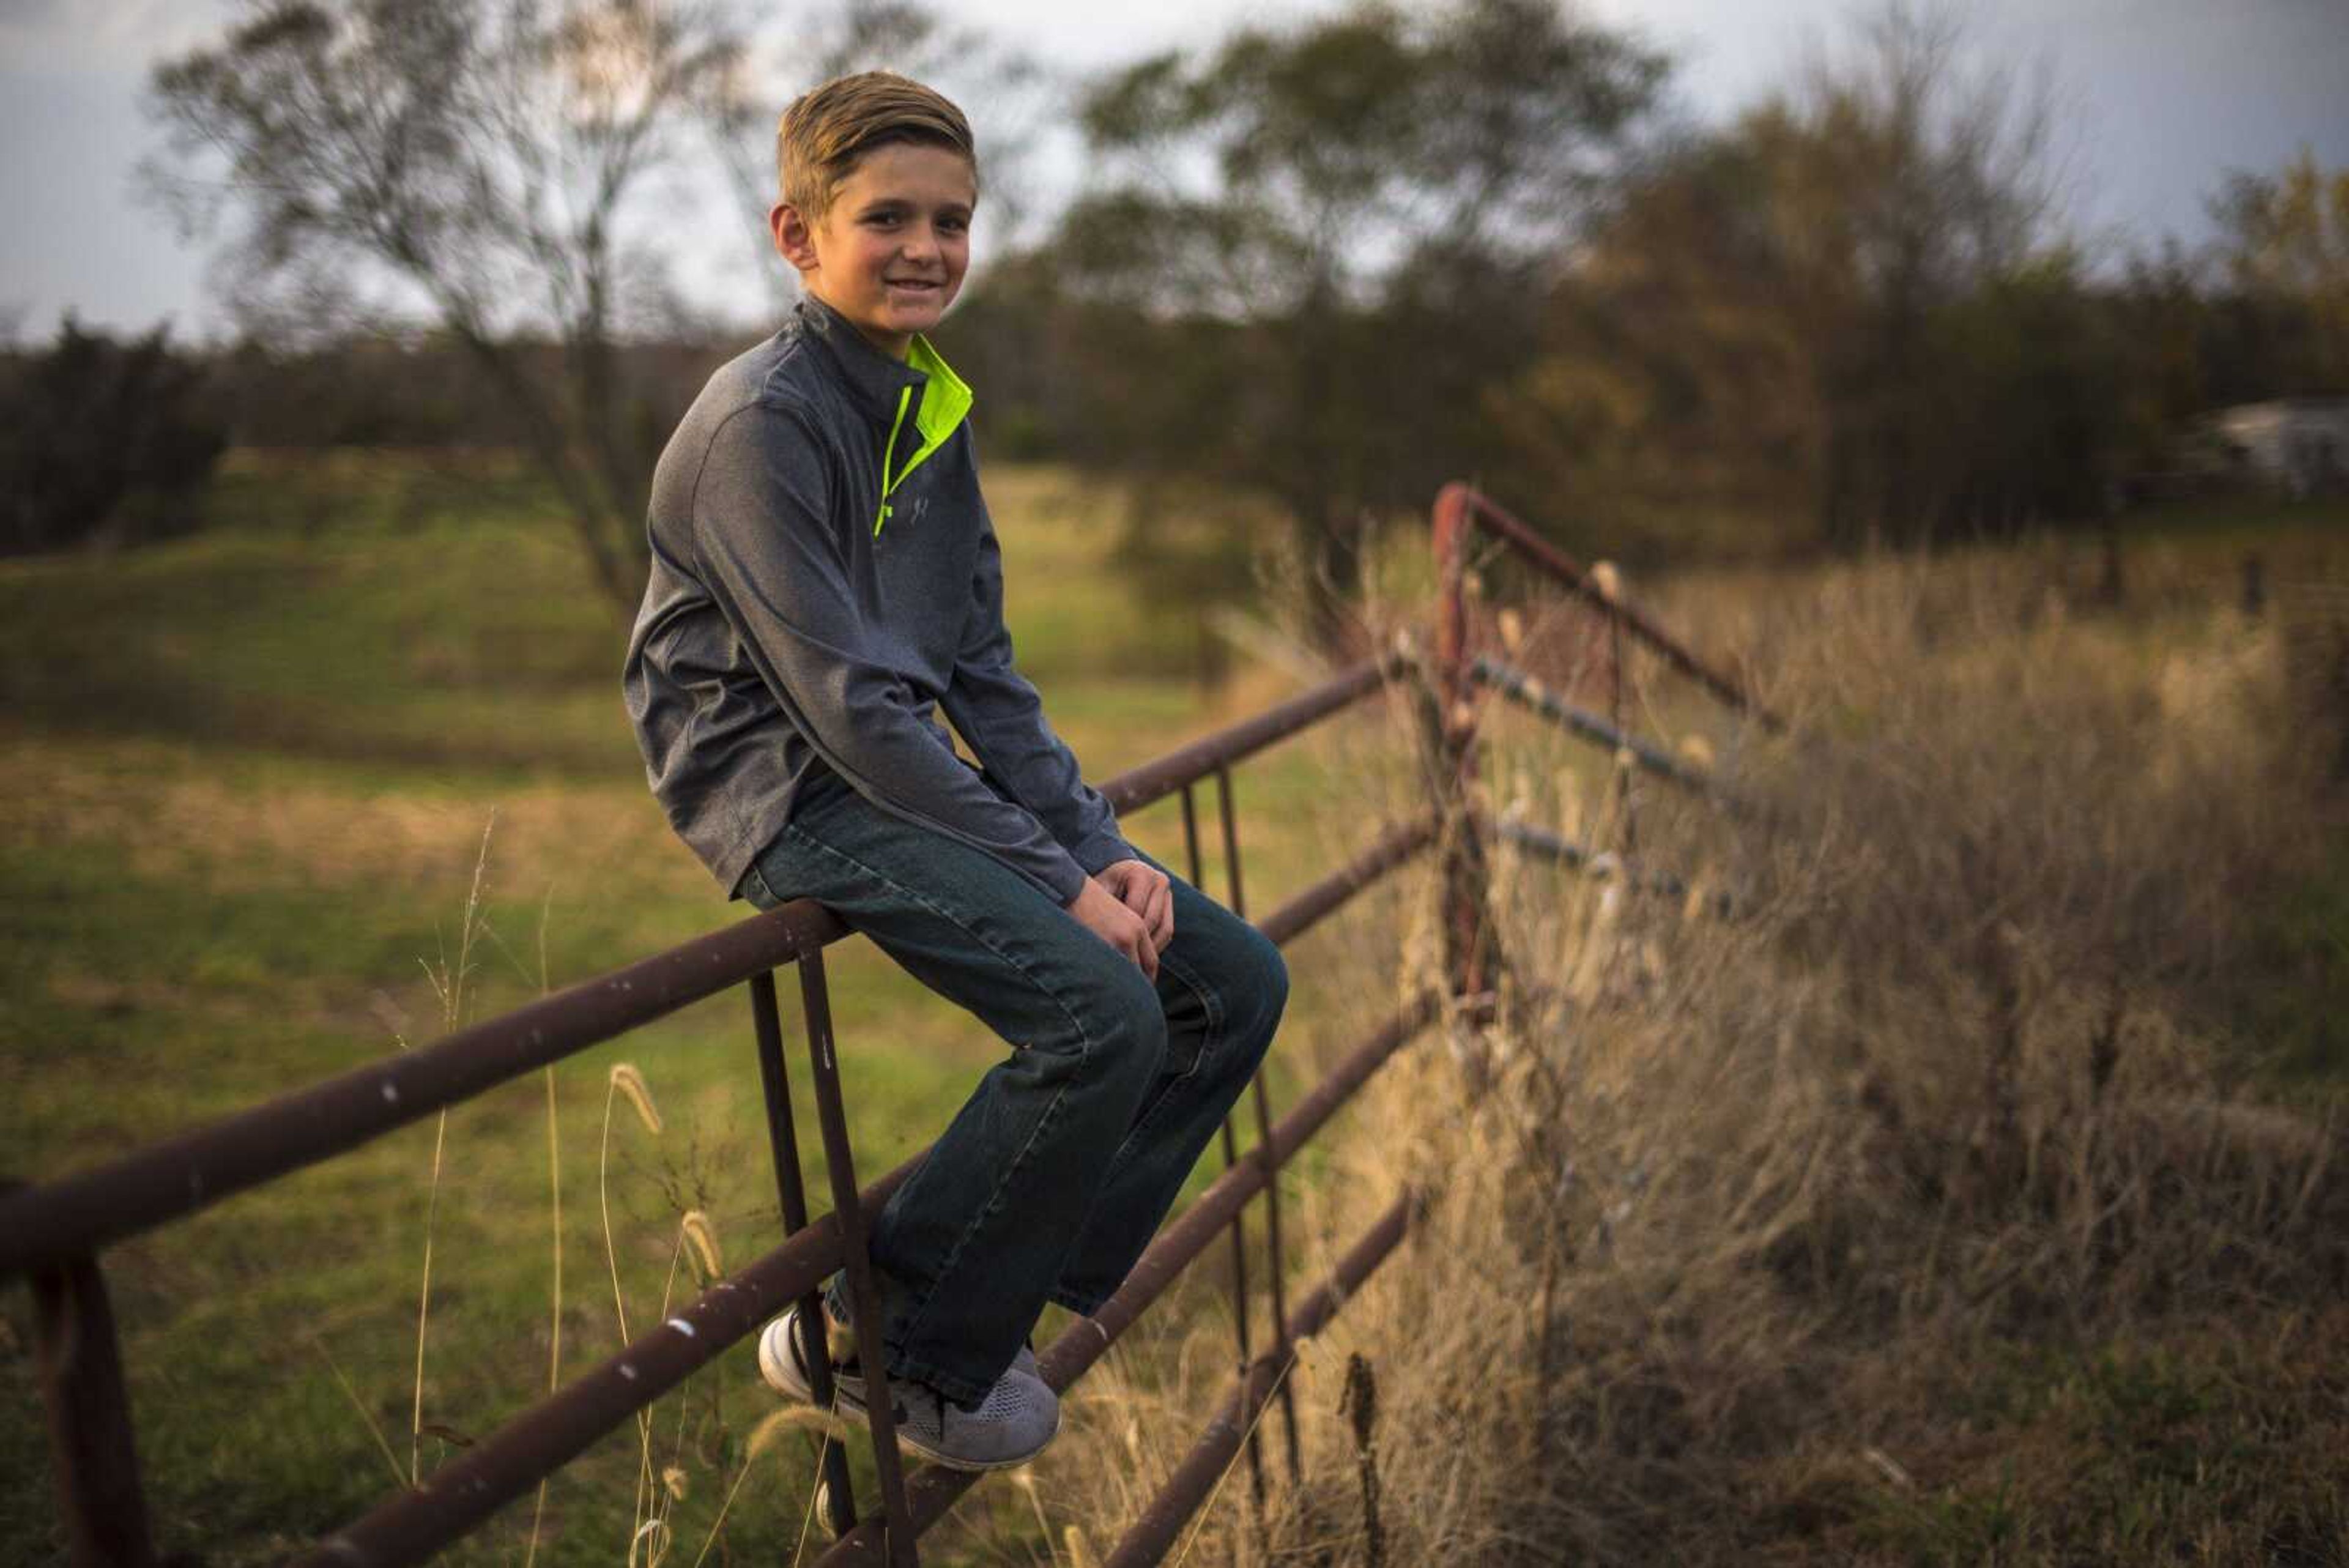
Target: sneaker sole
x: 978, y: 1467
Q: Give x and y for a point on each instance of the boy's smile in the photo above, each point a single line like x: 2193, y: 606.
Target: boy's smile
x: 890, y: 252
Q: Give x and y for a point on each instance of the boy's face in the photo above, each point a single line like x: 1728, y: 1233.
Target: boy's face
x: 890, y: 252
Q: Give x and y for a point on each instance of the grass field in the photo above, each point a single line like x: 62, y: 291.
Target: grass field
x: 252, y: 777
x: 249, y: 779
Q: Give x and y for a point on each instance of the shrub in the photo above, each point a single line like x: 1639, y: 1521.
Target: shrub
x: 102, y: 440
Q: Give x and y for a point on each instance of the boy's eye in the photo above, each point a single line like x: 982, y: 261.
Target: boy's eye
x: 896, y: 217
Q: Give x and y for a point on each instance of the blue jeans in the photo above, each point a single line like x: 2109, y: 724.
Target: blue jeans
x: 1056, y: 1172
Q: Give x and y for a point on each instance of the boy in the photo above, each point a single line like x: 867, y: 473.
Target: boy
x: 824, y: 576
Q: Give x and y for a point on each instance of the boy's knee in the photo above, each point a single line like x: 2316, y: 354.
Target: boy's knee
x: 1252, y: 978
x: 1122, y: 995
x: 1117, y: 1012
x: 1259, y: 987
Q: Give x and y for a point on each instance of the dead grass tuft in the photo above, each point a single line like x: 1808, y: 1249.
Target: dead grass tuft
x: 1920, y: 1211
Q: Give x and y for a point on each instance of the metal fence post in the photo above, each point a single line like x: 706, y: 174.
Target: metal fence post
x: 1627, y: 827
x: 1272, y: 1248
x: 90, y: 1443
x: 782, y: 1139
x: 1239, y: 1227
x: 1470, y: 951
x: 864, y: 1298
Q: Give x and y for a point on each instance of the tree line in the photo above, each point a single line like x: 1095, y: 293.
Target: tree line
x: 1325, y: 266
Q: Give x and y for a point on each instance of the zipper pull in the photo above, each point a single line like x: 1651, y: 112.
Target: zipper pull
x: 905, y: 400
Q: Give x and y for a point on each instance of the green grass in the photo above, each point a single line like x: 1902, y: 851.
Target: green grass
x: 2290, y: 1003
x: 2203, y: 1445
x: 247, y: 775
x: 2267, y: 523
x: 246, y: 778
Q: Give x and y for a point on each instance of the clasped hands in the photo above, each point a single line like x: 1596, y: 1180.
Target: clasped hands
x: 1129, y: 904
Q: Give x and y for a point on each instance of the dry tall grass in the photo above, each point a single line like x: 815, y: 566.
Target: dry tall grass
x: 1914, y: 1212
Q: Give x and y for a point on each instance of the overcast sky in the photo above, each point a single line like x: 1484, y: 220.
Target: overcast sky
x: 2161, y: 97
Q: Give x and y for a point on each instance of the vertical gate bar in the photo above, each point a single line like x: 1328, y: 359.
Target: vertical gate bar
x: 815, y: 1001
x: 782, y: 1137
x: 1274, y: 1255
x: 90, y: 1439
x: 1625, y: 826
x: 1231, y: 839
x: 1239, y: 1217
x: 1456, y: 739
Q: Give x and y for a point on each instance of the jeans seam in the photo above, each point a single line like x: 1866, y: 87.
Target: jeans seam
x: 921, y: 1303
x: 956, y: 920
x: 1211, y: 1000
x: 994, y: 1204
x: 1210, y: 1045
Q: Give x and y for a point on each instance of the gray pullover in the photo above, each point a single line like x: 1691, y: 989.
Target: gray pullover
x: 825, y: 576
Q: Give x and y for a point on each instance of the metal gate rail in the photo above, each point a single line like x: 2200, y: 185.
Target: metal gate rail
x: 1202, y: 1469
x: 1539, y: 699
x: 53, y: 1232
x: 1459, y: 507
x: 1069, y: 1356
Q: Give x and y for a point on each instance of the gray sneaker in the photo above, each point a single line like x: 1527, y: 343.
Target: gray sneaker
x: 1018, y: 1417
x: 779, y: 1360
x: 1011, y: 1426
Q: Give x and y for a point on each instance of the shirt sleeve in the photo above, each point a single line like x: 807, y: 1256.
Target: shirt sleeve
x: 1000, y: 716
x: 773, y: 560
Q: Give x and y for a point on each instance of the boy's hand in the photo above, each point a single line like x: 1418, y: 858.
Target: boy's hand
x: 1099, y: 911
x: 1144, y: 889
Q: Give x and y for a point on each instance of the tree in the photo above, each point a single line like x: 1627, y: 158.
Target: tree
x: 494, y: 172
x: 1675, y: 379
x: 2162, y: 314
x: 2033, y: 400
x: 474, y: 162
x: 102, y: 439
x: 2284, y: 246
x: 1306, y: 252
x: 1808, y: 312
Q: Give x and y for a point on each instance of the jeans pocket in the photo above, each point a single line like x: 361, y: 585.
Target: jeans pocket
x: 755, y: 889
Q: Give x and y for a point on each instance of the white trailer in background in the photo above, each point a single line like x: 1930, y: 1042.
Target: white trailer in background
x: 2300, y: 445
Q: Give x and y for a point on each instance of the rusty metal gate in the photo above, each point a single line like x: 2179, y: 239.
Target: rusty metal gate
x: 53, y: 1233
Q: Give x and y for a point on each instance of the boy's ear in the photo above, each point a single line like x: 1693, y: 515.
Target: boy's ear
x: 794, y: 238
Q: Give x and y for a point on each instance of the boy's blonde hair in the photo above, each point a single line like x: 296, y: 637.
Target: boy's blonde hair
x: 828, y: 128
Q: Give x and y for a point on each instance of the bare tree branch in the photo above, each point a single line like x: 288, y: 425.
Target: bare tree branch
x: 479, y: 159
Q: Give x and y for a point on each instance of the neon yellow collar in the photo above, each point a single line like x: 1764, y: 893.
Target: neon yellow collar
x: 946, y: 403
